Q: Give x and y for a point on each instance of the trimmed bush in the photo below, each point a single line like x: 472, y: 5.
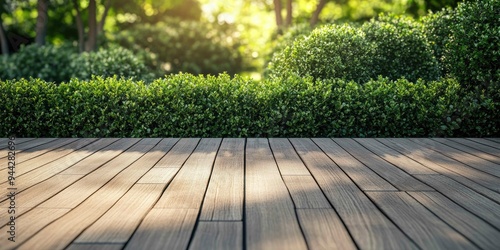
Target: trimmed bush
x: 194, y: 106
x: 401, y: 49
x: 50, y: 63
x: 332, y: 51
x: 188, y: 46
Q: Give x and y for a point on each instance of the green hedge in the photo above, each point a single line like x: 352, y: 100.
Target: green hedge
x: 187, y: 106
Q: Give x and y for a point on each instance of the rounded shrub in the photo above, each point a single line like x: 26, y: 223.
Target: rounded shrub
x: 332, y: 51
x: 172, y: 46
x: 437, y: 30
x: 472, y: 52
x: 50, y: 63
x: 401, y: 49
x: 110, y: 62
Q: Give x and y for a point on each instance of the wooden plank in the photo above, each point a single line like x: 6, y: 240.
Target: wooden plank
x: 397, y: 177
x: 164, y: 228
x: 369, y: 228
x: 134, y: 205
x: 218, y: 235
x: 18, y: 141
x: 426, y: 229
x: 224, y: 196
x: 305, y: 192
x: 57, y: 155
x: 288, y: 161
x: 26, y: 147
x: 3, y: 142
x: 270, y: 217
x: 476, y: 230
x: 29, y: 224
x: 470, y: 160
x: 363, y: 176
x: 189, y: 185
x: 63, y: 231
x: 478, y: 149
x: 323, y: 229
x: 81, y: 150
x: 491, y: 142
x: 103, y: 156
x: 465, y: 197
x: 423, y: 156
x: 179, y: 153
x: 82, y: 189
x: 394, y: 157
x: 100, y: 246
x: 159, y: 175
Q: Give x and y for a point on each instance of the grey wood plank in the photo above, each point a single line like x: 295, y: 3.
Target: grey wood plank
x: 25, y: 147
x: 394, y: 157
x: 58, y: 155
x: 75, y: 194
x: 491, y: 142
x: 30, y: 224
x: 476, y: 230
x: 397, y: 177
x: 478, y: 149
x: 369, y: 228
x: 465, y: 197
x: 99, y: 246
x: 189, y: 185
x: 224, y: 196
x: 63, y: 231
x: 218, y: 235
x: 288, y: 161
x: 134, y: 205
x: 3, y: 141
x: 423, y: 156
x: 17, y: 141
x: 271, y: 222
x: 81, y: 150
x: 363, y: 176
x: 323, y: 229
x: 164, y: 228
x: 427, y: 230
x: 470, y: 160
x: 305, y: 192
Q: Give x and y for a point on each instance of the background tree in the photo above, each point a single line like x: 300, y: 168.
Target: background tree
x: 41, y: 21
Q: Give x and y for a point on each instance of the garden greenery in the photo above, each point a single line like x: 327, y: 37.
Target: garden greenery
x: 184, y: 105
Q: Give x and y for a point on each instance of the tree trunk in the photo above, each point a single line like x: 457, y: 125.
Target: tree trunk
x: 277, y: 11
x: 92, y: 38
x: 315, y: 17
x: 3, y: 40
x: 41, y: 22
x: 289, y: 12
x: 107, y: 6
x: 79, y: 27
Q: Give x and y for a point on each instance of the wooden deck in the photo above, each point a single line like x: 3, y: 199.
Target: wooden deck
x: 253, y: 194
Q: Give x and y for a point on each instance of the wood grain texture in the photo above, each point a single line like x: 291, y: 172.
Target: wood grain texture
x: 62, y: 232
x: 288, y: 161
x: 134, y: 205
x: 427, y: 230
x: 323, y: 229
x: 164, y: 229
x: 423, y: 156
x: 476, y: 230
x: 363, y: 176
x: 369, y: 228
x: 271, y: 222
x: 96, y: 246
x: 218, y: 235
x: 305, y: 192
x: 189, y: 185
x: 18, y: 141
x: 472, y: 161
x: 397, y: 177
x: 159, y: 175
x: 478, y: 149
x: 394, y: 157
x: 491, y: 142
x: 465, y: 197
x: 224, y: 196
x: 25, y: 149
x: 179, y: 153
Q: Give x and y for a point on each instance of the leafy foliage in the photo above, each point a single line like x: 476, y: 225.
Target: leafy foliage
x: 185, y: 105
x: 172, y: 46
